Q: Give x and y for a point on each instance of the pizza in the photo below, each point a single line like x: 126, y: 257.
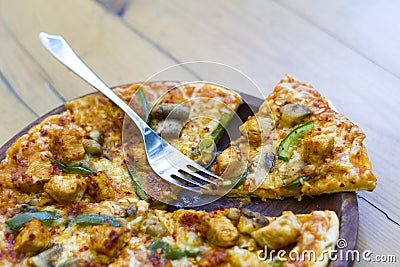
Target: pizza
x: 68, y: 199
x: 296, y: 145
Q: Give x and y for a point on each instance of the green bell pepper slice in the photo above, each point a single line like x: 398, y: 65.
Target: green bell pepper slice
x: 296, y: 184
x: 285, y: 149
x: 17, y: 222
x: 94, y: 219
x: 171, y: 253
x: 215, y: 135
x: 73, y: 169
x: 144, y: 104
x: 242, y: 178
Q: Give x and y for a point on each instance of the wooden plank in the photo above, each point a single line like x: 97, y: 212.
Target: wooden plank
x: 369, y: 27
x: 24, y: 76
x: 377, y: 235
x: 265, y: 41
x: 14, y: 114
x: 117, y: 7
x: 117, y: 54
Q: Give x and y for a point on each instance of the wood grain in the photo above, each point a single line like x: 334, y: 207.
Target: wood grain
x: 379, y: 236
x: 93, y: 32
x: 265, y: 40
x: 369, y: 27
x: 25, y: 77
x: 10, y: 120
x: 344, y: 204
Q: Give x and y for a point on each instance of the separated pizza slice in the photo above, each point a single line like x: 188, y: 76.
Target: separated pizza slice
x: 297, y: 144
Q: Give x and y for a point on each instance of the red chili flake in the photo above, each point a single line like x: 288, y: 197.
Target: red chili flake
x: 85, y: 248
x: 319, y: 129
x: 339, y: 125
x: 62, y: 121
x: 206, y: 129
x: 43, y: 132
x: 32, y: 236
x: 342, y: 185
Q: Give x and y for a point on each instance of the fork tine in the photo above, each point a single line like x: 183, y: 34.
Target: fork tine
x: 185, y: 178
x: 204, y: 170
x: 200, y: 177
x: 181, y: 185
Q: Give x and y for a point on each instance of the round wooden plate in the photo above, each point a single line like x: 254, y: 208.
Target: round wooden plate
x: 344, y: 204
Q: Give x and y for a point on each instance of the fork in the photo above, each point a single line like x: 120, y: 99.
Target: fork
x: 165, y: 160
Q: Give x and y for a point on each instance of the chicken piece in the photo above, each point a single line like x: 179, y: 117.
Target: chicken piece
x: 230, y: 163
x: 219, y: 230
x: 255, y: 129
x: 69, y: 144
x: 187, y: 227
x: 66, y: 189
x: 32, y: 239
x: 100, y: 187
x: 152, y: 226
x: 279, y: 233
x: 317, y: 148
x: 248, y: 225
x: 37, y: 174
x: 107, y: 240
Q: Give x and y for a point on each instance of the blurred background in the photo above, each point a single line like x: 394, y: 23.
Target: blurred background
x: 348, y: 49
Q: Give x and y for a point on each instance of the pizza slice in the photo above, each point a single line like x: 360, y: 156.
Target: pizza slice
x: 297, y: 144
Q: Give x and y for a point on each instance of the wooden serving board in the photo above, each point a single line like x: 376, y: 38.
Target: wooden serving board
x: 344, y: 204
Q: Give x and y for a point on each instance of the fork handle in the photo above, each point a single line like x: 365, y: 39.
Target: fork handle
x: 60, y: 49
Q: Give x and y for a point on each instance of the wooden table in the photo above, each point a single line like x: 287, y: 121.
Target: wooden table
x: 349, y: 50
